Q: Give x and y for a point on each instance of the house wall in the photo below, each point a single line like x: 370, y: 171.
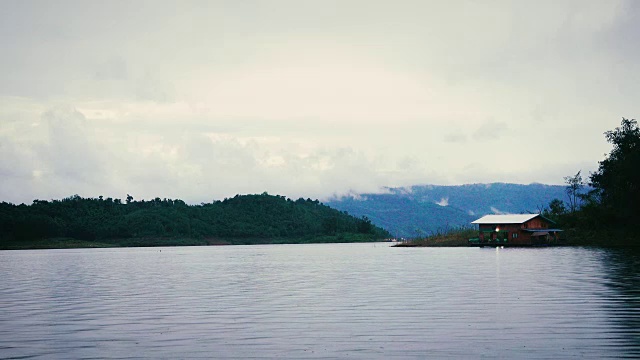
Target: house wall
x: 536, y: 223
x: 522, y: 238
x: 525, y: 238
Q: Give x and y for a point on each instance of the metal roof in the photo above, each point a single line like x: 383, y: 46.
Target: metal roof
x: 505, y: 219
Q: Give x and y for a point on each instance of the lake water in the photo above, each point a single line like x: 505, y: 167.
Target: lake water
x: 325, y: 301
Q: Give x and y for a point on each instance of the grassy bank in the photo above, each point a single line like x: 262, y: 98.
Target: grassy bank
x: 54, y: 243
x: 609, y: 238
x: 451, y: 238
x: 70, y: 243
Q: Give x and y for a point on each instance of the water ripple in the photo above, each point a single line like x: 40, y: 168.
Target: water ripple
x: 326, y: 301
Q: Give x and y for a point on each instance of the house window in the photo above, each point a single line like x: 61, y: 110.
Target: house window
x: 514, y: 236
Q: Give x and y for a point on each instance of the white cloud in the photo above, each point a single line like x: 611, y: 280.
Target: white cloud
x: 68, y: 157
x: 443, y: 202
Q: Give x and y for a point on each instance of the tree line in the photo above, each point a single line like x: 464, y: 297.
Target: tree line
x: 243, y: 219
x: 603, y: 209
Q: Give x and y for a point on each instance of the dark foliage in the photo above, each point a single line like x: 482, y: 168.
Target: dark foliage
x: 608, y: 212
x: 617, y: 180
x: 242, y: 219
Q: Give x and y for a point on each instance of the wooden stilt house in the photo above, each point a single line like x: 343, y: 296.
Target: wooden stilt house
x: 515, y: 229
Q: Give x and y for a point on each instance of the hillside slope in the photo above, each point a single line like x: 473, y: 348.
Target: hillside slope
x: 242, y: 219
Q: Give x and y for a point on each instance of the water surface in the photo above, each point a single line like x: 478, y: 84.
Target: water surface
x: 319, y: 301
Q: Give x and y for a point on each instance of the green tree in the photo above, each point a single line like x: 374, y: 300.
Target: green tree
x: 330, y: 225
x: 365, y: 226
x: 617, y: 180
x: 556, y: 209
x: 575, y: 184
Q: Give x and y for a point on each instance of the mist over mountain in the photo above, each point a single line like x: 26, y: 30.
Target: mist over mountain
x: 425, y: 209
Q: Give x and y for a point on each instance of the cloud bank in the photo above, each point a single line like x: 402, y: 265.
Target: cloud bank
x: 204, y: 100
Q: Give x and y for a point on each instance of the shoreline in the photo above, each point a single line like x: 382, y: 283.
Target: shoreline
x: 70, y: 243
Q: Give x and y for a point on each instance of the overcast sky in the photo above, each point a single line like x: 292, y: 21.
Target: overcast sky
x: 204, y: 100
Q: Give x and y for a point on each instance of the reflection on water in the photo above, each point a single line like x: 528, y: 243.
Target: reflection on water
x: 319, y: 301
x: 623, y: 279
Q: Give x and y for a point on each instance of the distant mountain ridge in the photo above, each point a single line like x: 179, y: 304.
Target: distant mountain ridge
x: 426, y: 209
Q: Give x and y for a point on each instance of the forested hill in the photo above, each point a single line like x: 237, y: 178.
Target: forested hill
x: 242, y: 219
